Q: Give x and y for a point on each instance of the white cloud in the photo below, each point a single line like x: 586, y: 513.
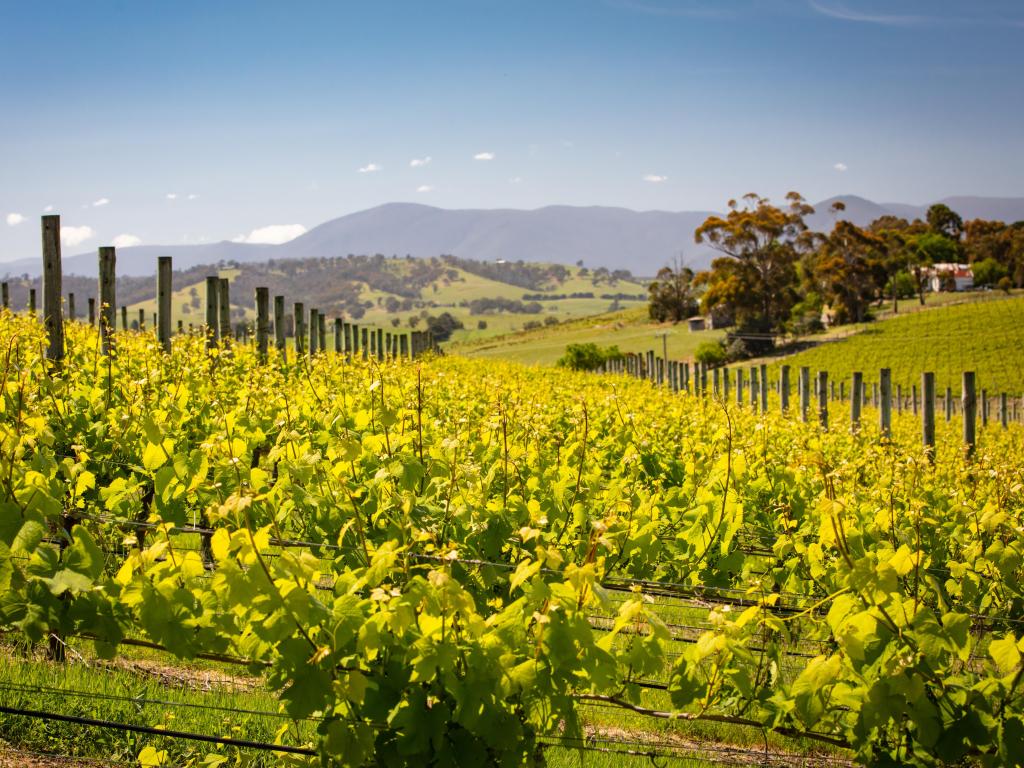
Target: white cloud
x: 193, y: 196
x: 483, y: 156
x: 419, y: 162
x: 100, y: 203
x: 655, y: 178
x: 14, y: 219
x: 424, y: 188
x: 126, y: 241
x: 369, y: 168
x: 171, y: 195
x: 48, y: 209
x: 516, y: 180
x: 840, y: 167
x: 76, y: 235
x: 275, y: 234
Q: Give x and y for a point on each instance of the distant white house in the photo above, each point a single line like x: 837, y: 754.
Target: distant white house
x: 946, y: 276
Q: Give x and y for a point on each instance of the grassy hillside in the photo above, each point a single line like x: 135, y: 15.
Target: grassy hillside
x: 488, y: 298
x: 630, y: 330
x: 984, y: 336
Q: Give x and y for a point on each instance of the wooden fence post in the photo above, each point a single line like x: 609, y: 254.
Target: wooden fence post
x: 725, y: 385
x: 885, y: 404
x: 5, y: 295
x: 984, y: 408
x: 53, y: 317
x: 716, y: 376
x: 212, y: 317
x: 753, y: 387
x: 764, y: 388
x: 784, y: 388
x: 1004, y: 413
x: 739, y: 387
x: 314, y: 331
x: 365, y: 341
x: 224, y: 307
x: 823, y: 399
x: 262, y: 322
x: 71, y: 306
x: 805, y: 392
x: 969, y: 409
x: 323, y: 332
x: 403, y: 346
x: 108, y: 261
x: 279, y: 337
x: 164, y: 272
x: 949, y: 404
x: 339, y: 328
x: 92, y: 311
x: 142, y: 319
x: 32, y: 302
x: 856, y: 390
x: 928, y: 413
x: 899, y: 398
x: 299, y: 313
x: 380, y: 343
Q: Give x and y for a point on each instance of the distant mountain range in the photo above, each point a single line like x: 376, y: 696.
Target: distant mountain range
x: 617, y: 238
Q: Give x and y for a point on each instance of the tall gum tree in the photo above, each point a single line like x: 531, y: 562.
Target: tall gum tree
x: 756, y: 277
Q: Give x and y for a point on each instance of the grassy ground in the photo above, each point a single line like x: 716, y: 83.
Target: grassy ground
x: 630, y: 330
x: 984, y: 336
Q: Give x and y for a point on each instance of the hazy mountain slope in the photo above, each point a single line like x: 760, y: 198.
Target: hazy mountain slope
x: 617, y: 238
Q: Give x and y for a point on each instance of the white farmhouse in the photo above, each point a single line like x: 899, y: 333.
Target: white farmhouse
x: 946, y: 276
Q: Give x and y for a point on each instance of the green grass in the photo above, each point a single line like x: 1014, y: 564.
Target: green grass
x: 984, y: 336
x: 630, y: 330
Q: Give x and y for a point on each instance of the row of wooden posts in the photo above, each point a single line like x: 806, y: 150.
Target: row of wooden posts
x: 310, y: 335
x: 703, y: 379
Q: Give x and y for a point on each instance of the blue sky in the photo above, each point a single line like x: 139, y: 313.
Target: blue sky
x: 190, y: 121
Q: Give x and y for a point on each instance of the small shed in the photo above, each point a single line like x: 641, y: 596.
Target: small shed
x: 696, y: 323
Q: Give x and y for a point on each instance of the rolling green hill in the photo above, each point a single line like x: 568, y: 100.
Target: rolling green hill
x: 985, y: 335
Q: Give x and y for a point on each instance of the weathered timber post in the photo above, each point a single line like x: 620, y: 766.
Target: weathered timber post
x: 949, y: 404
x: 5, y: 295
x: 164, y: 272
x: 53, y: 318
x: 108, y: 260
x: 739, y: 387
x: 754, y: 384
x: 71, y: 306
x: 855, y: 394
x: 339, y: 329
x: 142, y: 319
x: 380, y: 342
x: 1004, y: 411
x: 885, y: 411
x: 212, y: 323
x: 224, y: 307
x: 969, y: 409
x: 764, y: 388
x: 725, y: 385
x: 181, y: 326
x: 92, y: 311
x: 899, y: 398
x: 323, y: 332
x: 262, y: 322
x: 279, y: 336
x: 984, y: 408
x: 365, y: 333
x: 32, y: 302
x: 784, y: 388
x: 823, y: 399
x: 805, y: 392
x: 299, y: 313
x: 928, y: 413
x: 314, y: 332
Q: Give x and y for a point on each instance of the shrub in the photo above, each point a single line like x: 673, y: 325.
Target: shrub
x: 587, y: 357
x: 711, y: 353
